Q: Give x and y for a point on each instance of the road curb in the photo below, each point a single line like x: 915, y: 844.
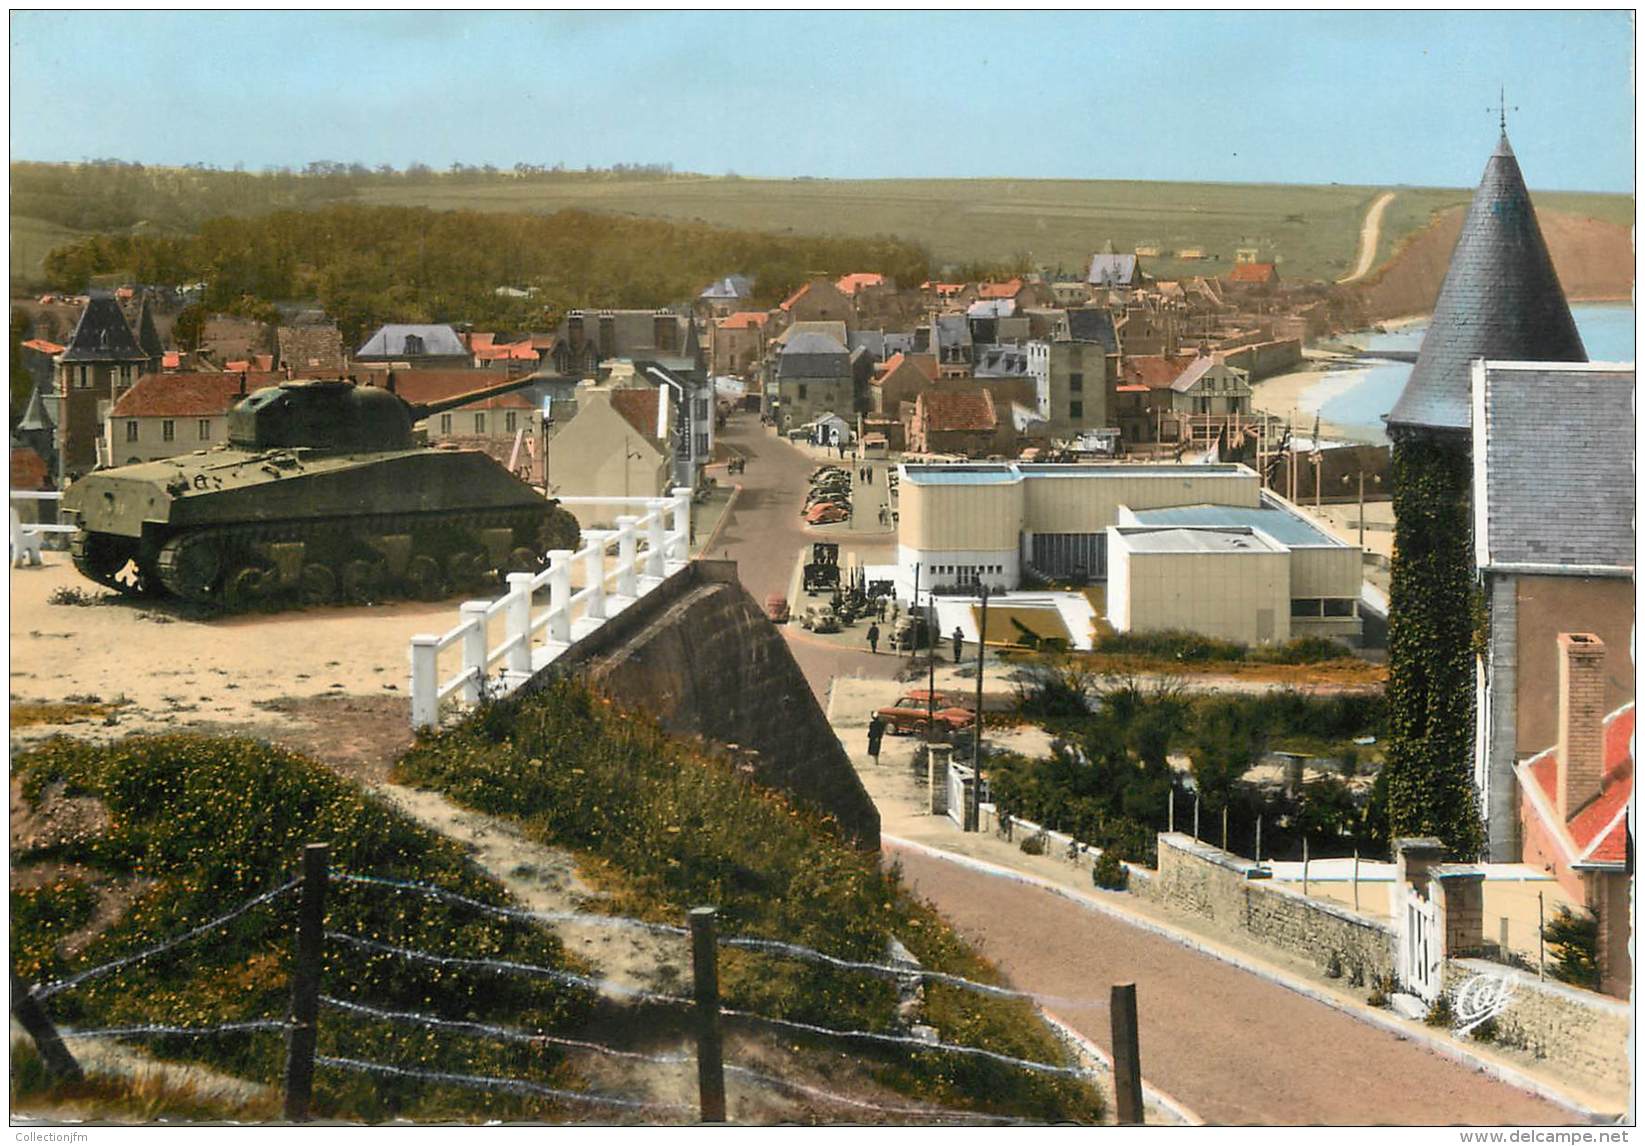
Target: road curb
x: 719, y: 526
x: 1371, y: 1017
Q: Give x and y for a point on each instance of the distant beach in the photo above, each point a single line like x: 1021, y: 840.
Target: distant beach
x: 1349, y: 396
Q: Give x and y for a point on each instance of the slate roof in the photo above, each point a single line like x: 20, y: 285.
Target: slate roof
x: 187, y: 395
x: 35, y: 416
x: 1108, y: 269
x: 811, y: 355
x: 1557, y: 447
x: 1093, y: 324
x: 102, y: 335
x: 390, y: 341
x: 1501, y: 299
x: 1000, y: 362
x: 1196, y: 370
x: 952, y: 330
x: 1598, y: 833
x: 732, y: 287
x: 148, y: 337
x: 992, y: 308
x: 959, y: 408
x: 873, y: 341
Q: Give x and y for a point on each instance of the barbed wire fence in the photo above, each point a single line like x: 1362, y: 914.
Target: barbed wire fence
x: 703, y: 1006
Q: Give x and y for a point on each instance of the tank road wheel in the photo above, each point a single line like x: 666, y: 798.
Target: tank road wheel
x: 190, y: 568
x: 362, y: 581
x: 423, y: 580
x: 248, y: 587
x: 101, y: 558
x: 317, y: 585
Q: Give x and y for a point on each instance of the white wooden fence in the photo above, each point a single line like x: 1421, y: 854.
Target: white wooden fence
x: 648, y: 549
x: 25, y: 535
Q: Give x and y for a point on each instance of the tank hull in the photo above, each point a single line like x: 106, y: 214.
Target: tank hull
x: 243, y: 529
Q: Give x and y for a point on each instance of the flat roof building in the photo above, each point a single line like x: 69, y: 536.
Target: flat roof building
x: 1004, y: 524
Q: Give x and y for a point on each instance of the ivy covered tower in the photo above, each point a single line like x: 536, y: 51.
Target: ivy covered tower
x: 1501, y: 300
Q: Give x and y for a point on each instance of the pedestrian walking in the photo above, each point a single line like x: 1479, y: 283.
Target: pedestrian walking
x: 873, y: 638
x: 959, y: 643
x: 879, y: 611
x: 876, y: 734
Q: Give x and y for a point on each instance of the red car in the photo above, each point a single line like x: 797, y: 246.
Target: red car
x: 776, y: 607
x: 826, y: 513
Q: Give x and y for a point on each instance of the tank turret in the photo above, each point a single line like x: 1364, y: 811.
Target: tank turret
x: 323, y: 493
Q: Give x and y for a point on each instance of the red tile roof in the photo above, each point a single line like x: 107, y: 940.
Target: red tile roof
x: 522, y: 351
x: 28, y: 469
x: 1156, y: 371
x: 999, y: 290
x: 43, y: 346
x: 967, y: 408
x: 1257, y: 273
x: 852, y: 283
x: 1598, y: 830
x: 478, y: 341
x: 419, y: 386
x: 788, y: 303
x: 639, y: 407
x: 171, y: 360
x: 744, y: 320
x: 187, y: 395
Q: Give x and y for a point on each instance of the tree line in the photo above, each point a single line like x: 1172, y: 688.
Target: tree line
x: 370, y: 265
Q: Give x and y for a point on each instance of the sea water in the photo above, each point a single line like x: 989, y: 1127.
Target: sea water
x: 1355, y: 398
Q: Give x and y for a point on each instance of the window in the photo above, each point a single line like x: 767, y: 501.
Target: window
x: 1076, y: 409
x: 479, y: 423
x: 1339, y: 606
x: 445, y: 423
x: 702, y: 445
x: 1305, y: 606
x: 1076, y: 382
x: 125, y: 375
x: 131, y: 430
x: 168, y: 431
x: 205, y: 429
x: 699, y: 409
x: 511, y: 421
x: 802, y: 391
x: 85, y: 377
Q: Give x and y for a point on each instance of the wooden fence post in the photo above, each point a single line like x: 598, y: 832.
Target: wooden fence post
x: 1171, y: 810
x: 1196, y: 817
x: 1225, y: 827
x: 60, y: 1064
x: 1122, y: 1014
x: 706, y: 983
x: 305, y: 984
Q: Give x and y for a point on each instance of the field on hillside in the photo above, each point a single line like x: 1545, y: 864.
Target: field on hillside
x: 1313, y: 231
x: 31, y: 241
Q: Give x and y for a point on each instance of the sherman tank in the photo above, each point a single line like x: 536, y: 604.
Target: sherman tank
x: 323, y: 494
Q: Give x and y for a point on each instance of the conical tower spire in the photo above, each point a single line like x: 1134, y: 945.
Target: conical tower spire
x: 1501, y: 299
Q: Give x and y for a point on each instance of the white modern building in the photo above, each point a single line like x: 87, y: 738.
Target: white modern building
x: 1199, y: 547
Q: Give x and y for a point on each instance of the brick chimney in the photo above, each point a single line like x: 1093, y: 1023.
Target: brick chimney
x: 1581, y: 721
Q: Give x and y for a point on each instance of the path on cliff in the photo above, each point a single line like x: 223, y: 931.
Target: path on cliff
x: 763, y: 535
x: 1224, y: 1042
x: 1369, y: 235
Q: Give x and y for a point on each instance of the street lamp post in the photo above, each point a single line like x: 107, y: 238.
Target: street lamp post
x: 1376, y: 479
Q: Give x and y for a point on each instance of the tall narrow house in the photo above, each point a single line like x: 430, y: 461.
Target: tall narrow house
x: 101, y: 361
x: 1501, y: 300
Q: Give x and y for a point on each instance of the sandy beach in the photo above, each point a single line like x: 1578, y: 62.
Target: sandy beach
x: 1299, y: 395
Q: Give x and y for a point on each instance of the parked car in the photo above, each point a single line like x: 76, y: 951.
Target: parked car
x: 827, y: 513
x: 904, y: 719
x: 820, y: 619
x: 776, y: 607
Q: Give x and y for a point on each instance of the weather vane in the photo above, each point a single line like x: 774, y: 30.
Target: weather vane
x: 1502, y: 108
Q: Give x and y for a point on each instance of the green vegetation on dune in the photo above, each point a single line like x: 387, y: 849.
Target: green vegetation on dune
x: 196, y: 827
x: 678, y: 827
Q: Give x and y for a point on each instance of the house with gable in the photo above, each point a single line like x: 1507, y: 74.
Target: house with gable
x: 417, y: 345
x: 101, y: 362
x: 616, y: 445
x: 955, y: 420
x: 900, y: 380
x: 1574, y: 803
x: 725, y: 296
x: 1110, y: 271
x: 819, y: 300
x: 813, y: 377
x: 736, y: 342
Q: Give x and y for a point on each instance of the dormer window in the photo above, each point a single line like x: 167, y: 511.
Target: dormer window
x: 414, y: 344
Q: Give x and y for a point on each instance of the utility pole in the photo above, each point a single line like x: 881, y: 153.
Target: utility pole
x: 976, y: 721
x: 914, y: 644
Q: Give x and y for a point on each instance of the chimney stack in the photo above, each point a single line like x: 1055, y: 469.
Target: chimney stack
x: 1581, y: 721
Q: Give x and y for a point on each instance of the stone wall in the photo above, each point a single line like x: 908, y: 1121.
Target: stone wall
x: 1234, y: 893
x: 1579, y: 1032
x: 700, y: 655
x: 1265, y: 359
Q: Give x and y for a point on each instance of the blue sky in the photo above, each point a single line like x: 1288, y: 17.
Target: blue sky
x: 1349, y: 97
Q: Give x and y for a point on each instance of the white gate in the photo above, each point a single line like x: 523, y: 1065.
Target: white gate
x: 1422, y: 949
x: 959, y: 792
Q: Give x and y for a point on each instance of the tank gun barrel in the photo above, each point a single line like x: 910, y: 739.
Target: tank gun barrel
x: 421, y: 410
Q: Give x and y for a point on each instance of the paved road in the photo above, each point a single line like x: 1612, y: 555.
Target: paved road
x: 764, y: 535
x: 1232, y: 1047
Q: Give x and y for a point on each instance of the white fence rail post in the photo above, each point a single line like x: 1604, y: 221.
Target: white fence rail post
x: 519, y: 622
x: 559, y: 596
x: 656, y: 553
x: 425, y: 681
x: 681, y: 549
x: 474, y: 647
x: 594, y: 572
x: 628, y: 548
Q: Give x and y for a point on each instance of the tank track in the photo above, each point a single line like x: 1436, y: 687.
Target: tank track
x: 363, y: 559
